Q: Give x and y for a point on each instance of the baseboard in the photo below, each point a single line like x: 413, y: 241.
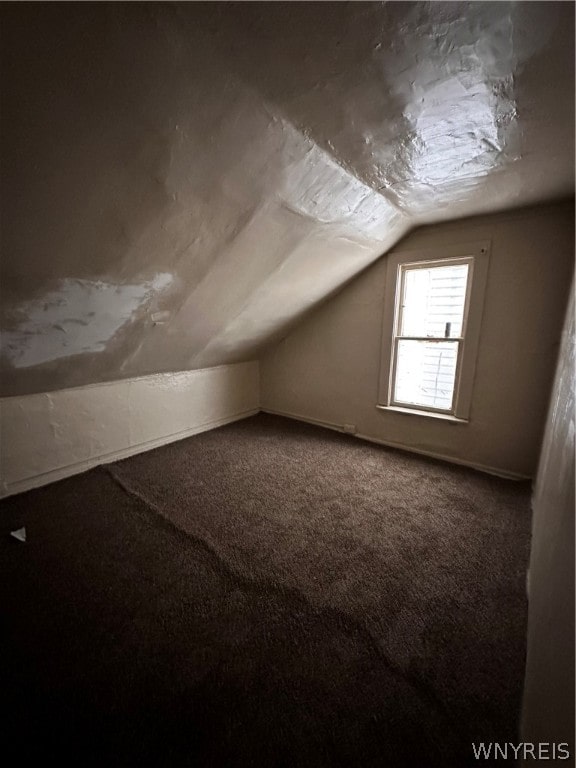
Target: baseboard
x: 51, y: 436
x: 504, y: 473
x: 83, y: 466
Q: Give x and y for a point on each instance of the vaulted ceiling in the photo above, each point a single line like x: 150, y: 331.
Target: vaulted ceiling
x: 182, y: 182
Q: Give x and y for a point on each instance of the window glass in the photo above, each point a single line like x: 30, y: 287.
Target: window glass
x: 425, y: 373
x: 433, y: 301
x: 431, y: 329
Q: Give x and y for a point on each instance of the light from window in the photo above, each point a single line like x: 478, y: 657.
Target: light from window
x: 432, y: 318
x: 430, y: 326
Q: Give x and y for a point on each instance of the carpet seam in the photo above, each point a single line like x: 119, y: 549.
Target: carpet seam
x: 422, y: 689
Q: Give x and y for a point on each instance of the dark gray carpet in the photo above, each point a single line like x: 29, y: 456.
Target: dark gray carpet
x: 265, y: 594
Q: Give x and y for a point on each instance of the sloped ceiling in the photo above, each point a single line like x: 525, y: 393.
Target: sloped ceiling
x: 182, y: 182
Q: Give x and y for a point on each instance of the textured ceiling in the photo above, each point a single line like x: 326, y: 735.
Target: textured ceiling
x: 182, y: 182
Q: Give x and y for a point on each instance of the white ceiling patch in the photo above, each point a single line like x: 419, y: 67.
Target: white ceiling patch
x: 79, y: 316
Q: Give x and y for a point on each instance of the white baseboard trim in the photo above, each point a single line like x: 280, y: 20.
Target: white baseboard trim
x: 52, y: 435
x: 504, y: 473
x: 83, y: 466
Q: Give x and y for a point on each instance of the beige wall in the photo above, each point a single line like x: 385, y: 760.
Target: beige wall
x: 549, y: 691
x: 327, y: 369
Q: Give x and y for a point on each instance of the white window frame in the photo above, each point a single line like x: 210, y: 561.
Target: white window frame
x: 476, y: 255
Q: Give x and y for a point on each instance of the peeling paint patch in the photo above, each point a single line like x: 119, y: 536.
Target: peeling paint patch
x: 80, y: 316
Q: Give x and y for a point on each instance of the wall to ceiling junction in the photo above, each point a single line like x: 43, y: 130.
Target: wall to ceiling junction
x: 182, y: 183
x: 327, y: 370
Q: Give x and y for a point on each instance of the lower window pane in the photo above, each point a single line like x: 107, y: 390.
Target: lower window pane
x: 425, y: 373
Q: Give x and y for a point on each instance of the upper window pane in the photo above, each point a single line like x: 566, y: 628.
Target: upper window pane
x: 433, y: 301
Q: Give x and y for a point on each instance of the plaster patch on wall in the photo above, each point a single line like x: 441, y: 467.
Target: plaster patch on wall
x: 79, y: 316
x: 316, y: 186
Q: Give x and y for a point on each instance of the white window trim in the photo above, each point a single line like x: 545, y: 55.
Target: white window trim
x: 466, y: 370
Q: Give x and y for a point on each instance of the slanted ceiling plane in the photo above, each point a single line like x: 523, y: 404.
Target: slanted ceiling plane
x: 183, y: 182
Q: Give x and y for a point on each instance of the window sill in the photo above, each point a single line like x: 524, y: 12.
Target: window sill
x: 426, y: 414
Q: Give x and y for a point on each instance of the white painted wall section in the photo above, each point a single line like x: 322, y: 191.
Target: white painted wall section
x: 549, y: 689
x: 48, y: 436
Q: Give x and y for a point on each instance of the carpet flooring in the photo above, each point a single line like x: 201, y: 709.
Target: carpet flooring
x: 265, y: 594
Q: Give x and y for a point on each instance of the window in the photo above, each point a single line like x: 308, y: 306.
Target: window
x: 431, y: 330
